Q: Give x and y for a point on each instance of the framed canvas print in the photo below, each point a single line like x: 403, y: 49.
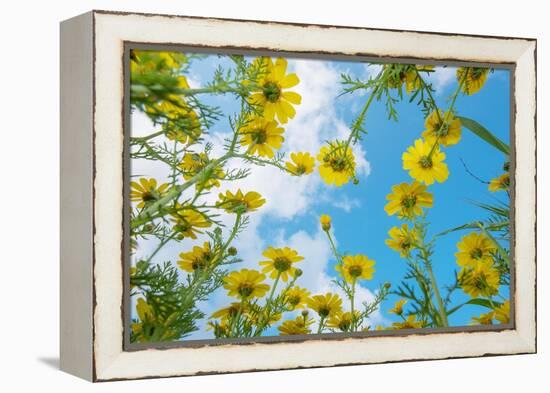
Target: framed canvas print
x: 244, y: 195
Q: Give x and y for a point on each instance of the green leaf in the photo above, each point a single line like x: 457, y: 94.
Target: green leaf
x: 485, y: 134
x: 485, y: 303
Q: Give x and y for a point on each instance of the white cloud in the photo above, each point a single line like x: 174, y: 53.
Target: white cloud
x: 441, y: 78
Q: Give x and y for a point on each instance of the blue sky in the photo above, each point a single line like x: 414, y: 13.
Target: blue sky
x: 290, y: 217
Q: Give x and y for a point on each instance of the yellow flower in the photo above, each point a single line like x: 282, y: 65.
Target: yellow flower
x: 474, y: 78
x: 402, y: 240
x: 271, y: 97
x: 405, y: 73
x: 239, y: 202
x: 196, y: 259
x: 474, y: 248
x: 263, y: 136
x: 398, y: 308
x: 501, y: 183
x: 280, y: 262
x: 245, y: 284
x: 187, y: 221
x: 412, y: 81
x: 146, y: 191
x: 296, y: 297
x: 336, y: 163
x: 407, y: 200
x: 302, y: 164
x: 443, y: 125
x: 181, y: 123
x: 409, y: 323
x: 231, y: 311
x: 480, y: 280
x: 193, y: 163
x: 424, y: 167
x: 326, y: 222
x: 502, y: 313
x: 484, y: 319
x: 356, y: 267
x: 341, y: 320
x: 297, y: 326
x: 325, y: 305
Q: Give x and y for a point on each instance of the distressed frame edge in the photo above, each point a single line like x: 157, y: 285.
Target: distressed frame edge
x: 76, y: 196
x: 526, y: 339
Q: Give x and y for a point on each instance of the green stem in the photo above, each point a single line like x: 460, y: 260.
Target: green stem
x: 438, y: 298
x: 321, y: 322
x: 352, y: 301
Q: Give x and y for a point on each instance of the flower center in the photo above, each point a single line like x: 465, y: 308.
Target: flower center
x: 408, y: 201
x: 300, y: 169
x: 355, y: 271
x: 338, y: 164
x: 148, y: 196
x: 271, y: 91
x: 245, y: 289
x: 294, y: 300
x: 476, y: 253
x: 259, y: 136
x: 198, y: 264
x: 282, y: 264
x: 406, y: 244
x: 442, y: 129
x: 344, y: 324
x: 425, y: 162
x: 324, y: 311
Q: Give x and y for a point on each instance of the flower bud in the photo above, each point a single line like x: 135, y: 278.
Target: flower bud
x: 325, y: 222
x: 232, y: 251
x: 298, y: 273
x: 305, y: 313
x: 387, y: 285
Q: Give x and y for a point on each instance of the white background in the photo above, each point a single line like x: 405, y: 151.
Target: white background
x: 29, y: 197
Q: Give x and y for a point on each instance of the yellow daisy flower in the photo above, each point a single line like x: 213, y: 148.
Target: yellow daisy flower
x: 474, y: 248
x: 356, y: 267
x: 326, y: 222
x: 409, y: 323
x: 398, y: 308
x: 407, y: 75
x: 193, y: 163
x: 295, y: 326
x: 231, y: 311
x: 239, y: 202
x: 422, y: 166
x: 325, y: 305
x: 412, y: 81
x: 296, y: 297
x: 502, y: 313
x: 146, y: 315
x: 501, y: 183
x: 407, y: 200
x: 245, y: 284
x: 336, y: 164
x: 443, y: 125
x: 341, y: 320
x: 402, y: 240
x: 263, y: 136
x: 271, y: 97
x: 474, y: 80
x: 146, y: 191
x: 280, y: 262
x: 484, y: 319
x: 188, y: 221
x: 182, y: 124
x: 301, y: 164
x: 196, y: 259
x: 480, y: 280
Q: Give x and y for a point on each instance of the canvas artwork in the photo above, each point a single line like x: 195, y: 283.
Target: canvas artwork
x: 279, y: 196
